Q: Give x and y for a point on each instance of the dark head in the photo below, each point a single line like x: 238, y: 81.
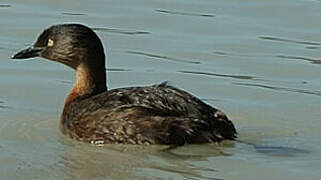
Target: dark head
x: 70, y: 44
x: 76, y: 46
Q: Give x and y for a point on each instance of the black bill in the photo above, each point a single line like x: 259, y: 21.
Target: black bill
x: 27, y: 53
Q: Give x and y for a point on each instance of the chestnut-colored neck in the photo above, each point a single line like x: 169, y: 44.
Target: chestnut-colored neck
x: 89, y: 81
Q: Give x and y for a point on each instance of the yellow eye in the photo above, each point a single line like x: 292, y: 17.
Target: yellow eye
x: 50, y: 43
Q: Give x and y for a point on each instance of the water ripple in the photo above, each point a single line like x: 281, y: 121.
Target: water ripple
x: 303, y: 91
x: 117, y: 70
x: 4, y: 106
x: 271, y: 38
x: 162, y: 57
x: 120, y: 31
x: 313, y: 47
x: 4, y: 5
x: 64, y: 81
x: 73, y: 14
x: 280, y: 150
x: 184, y: 13
x: 311, y: 60
x: 218, y: 75
x: 222, y: 53
x: 188, y: 172
x: 211, y: 99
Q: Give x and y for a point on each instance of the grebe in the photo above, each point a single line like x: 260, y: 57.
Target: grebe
x: 158, y: 114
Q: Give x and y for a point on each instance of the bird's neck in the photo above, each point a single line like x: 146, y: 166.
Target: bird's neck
x: 89, y: 81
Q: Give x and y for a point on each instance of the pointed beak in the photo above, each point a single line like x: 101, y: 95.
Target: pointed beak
x: 27, y: 53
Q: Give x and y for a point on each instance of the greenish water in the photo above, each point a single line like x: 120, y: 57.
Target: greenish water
x: 258, y: 61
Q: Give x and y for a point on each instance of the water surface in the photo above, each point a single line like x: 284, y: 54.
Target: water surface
x: 258, y: 61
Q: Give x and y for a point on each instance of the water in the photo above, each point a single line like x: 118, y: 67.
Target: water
x: 259, y: 61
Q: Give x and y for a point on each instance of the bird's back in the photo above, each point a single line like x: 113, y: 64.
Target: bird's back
x: 159, y: 114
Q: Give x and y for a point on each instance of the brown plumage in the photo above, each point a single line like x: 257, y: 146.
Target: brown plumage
x: 158, y: 114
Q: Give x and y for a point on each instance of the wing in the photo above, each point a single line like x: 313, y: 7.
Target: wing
x: 158, y: 114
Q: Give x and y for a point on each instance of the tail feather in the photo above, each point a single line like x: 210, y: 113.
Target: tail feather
x: 193, y: 131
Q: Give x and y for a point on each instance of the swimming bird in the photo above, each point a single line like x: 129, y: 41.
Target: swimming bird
x: 156, y: 114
